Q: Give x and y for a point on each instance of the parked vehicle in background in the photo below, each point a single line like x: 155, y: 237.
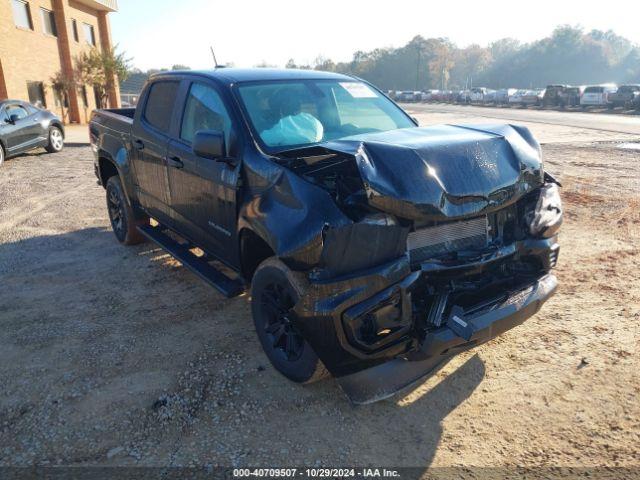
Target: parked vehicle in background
x: 450, y: 96
x: 407, y: 96
x: 24, y: 127
x: 477, y: 94
x: 597, y: 95
x: 463, y: 96
x: 625, y: 96
x: 373, y: 273
x: 570, y: 96
x: 516, y: 98
x: 503, y: 95
x: 533, y: 97
x: 489, y: 97
x: 552, y: 95
x: 435, y: 96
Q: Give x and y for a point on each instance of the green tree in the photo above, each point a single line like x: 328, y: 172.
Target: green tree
x: 101, y: 69
x: 62, y: 86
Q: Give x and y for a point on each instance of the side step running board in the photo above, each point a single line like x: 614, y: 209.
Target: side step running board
x: 229, y: 287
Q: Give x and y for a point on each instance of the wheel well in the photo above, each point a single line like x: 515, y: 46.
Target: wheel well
x: 59, y: 125
x: 253, y: 251
x: 107, y: 170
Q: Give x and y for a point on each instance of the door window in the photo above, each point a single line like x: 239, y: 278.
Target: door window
x: 160, y: 102
x: 204, y: 110
x: 17, y: 110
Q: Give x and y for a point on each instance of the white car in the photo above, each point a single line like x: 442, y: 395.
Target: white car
x: 516, y: 97
x: 597, y: 95
x: 504, y: 94
x: 477, y: 94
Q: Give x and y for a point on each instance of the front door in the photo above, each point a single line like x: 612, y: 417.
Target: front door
x: 150, y: 137
x: 203, y: 191
x: 25, y: 132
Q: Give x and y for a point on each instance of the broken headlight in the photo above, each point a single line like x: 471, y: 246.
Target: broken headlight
x: 546, y: 219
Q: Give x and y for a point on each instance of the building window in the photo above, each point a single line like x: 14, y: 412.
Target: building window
x: 36, y: 94
x: 48, y: 22
x: 21, y: 14
x: 85, y: 98
x: 74, y: 27
x: 89, y: 34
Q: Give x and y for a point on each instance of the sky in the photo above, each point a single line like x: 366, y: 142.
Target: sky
x: 162, y: 33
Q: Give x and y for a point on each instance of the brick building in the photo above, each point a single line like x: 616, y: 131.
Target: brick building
x: 39, y: 38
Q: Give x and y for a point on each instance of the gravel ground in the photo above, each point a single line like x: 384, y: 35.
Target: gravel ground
x: 118, y: 356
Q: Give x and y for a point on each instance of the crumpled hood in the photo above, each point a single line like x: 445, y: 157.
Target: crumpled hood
x: 445, y: 171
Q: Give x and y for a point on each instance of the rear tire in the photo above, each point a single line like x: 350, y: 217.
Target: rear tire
x: 1, y: 155
x: 121, y: 215
x: 56, y: 140
x: 275, y: 289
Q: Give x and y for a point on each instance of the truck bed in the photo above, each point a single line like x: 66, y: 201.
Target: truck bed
x: 112, y: 122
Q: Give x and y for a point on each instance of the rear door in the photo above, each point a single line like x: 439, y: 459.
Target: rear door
x: 203, y: 191
x: 150, y: 137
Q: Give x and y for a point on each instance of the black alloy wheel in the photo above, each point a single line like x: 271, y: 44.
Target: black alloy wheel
x: 277, y: 303
x: 116, y: 213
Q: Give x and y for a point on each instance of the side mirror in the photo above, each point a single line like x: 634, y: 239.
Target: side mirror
x: 209, y: 144
x: 13, y: 119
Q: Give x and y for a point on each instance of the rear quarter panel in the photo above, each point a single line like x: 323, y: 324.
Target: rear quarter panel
x: 111, y: 141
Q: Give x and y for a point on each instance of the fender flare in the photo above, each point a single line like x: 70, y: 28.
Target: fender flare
x: 122, y: 168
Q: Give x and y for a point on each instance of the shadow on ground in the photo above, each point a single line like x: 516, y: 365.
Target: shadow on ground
x: 119, y: 356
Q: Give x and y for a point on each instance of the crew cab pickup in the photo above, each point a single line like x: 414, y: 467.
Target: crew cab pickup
x: 625, y: 96
x: 374, y: 249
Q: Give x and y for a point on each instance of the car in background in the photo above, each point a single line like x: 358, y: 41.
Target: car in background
x: 452, y: 95
x: 463, y: 96
x: 477, y: 94
x: 625, y: 96
x: 407, y: 96
x: 516, y: 98
x: 597, y: 95
x: 489, y: 97
x: 570, y: 96
x: 533, y: 97
x: 24, y: 127
x: 503, y: 95
x: 552, y: 95
x: 435, y: 96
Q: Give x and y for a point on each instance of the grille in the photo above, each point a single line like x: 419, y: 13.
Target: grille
x: 433, y: 241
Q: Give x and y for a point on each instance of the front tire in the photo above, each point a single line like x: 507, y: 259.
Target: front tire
x: 1, y: 155
x: 56, y: 140
x: 275, y: 289
x: 121, y: 215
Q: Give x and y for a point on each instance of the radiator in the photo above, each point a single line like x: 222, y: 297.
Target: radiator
x: 428, y: 242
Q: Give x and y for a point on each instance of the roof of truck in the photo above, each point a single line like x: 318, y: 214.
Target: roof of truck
x: 257, y: 74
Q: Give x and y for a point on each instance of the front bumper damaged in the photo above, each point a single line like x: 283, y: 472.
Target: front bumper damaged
x: 370, y: 329
x: 382, y: 381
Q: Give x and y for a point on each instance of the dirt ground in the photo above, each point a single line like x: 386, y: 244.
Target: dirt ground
x: 118, y: 356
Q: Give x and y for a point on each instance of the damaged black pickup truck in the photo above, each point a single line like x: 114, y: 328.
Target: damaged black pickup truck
x: 375, y: 249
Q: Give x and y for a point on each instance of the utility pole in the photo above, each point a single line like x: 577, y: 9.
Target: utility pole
x: 418, y: 68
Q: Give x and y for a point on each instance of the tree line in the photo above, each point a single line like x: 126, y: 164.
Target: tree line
x: 569, y: 55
